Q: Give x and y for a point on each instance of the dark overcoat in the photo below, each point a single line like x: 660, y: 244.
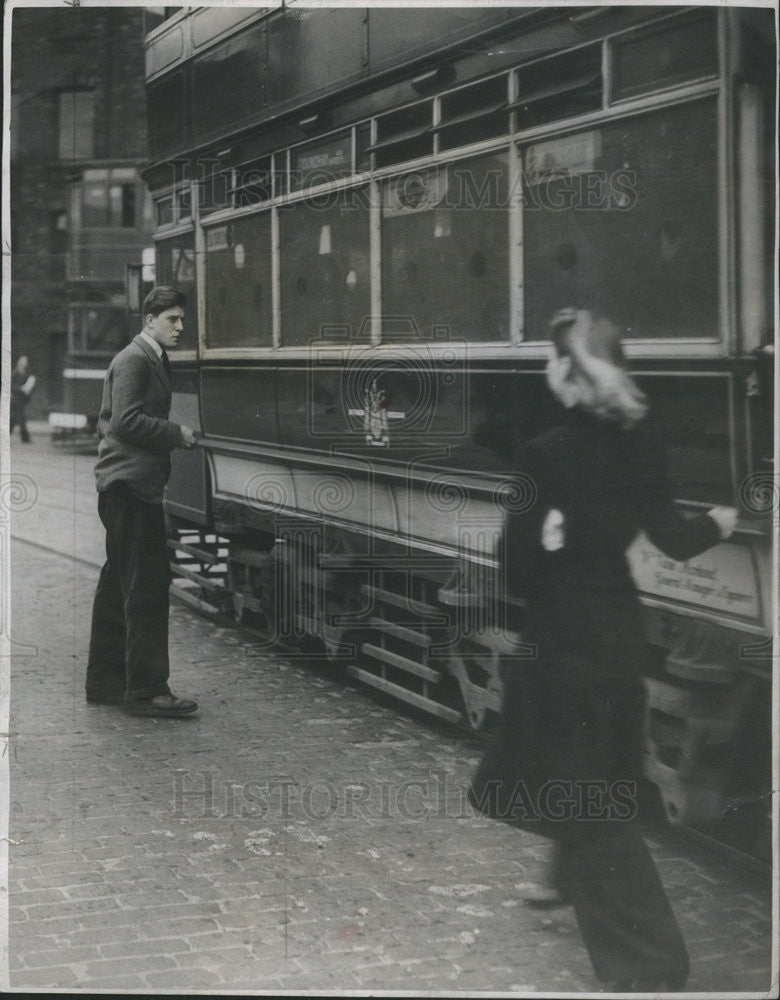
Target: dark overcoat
x: 573, y: 710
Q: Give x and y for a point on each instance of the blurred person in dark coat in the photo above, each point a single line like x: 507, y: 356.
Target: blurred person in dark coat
x: 566, y: 759
x: 22, y: 385
x: 128, y: 650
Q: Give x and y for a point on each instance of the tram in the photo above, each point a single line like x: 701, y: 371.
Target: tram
x: 97, y: 329
x: 109, y: 221
x: 373, y: 214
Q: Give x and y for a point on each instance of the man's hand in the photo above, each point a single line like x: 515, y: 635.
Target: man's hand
x: 188, y: 437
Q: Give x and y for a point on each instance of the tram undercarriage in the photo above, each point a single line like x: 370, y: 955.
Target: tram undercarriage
x: 423, y: 630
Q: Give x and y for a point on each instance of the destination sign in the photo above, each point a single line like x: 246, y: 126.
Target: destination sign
x: 329, y: 159
x: 721, y: 579
x: 565, y: 156
x: 218, y: 238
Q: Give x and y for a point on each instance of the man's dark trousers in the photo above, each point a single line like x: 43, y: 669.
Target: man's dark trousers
x: 128, y: 652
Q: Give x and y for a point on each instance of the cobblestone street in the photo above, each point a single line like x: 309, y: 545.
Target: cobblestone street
x: 296, y: 835
x: 425, y: 358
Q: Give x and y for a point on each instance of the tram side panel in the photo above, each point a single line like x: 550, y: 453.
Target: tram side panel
x: 342, y: 469
x: 379, y: 475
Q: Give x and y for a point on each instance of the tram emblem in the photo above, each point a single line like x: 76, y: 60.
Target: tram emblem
x: 376, y: 416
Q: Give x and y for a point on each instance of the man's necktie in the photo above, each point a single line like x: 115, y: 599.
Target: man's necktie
x: 166, y: 363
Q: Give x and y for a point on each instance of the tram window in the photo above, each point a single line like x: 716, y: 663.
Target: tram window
x: 183, y: 204
x: 97, y: 328
x: 445, y: 249
x: 76, y: 124
x: 175, y: 265
x: 625, y: 217
x: 253, y: 182
x: 281, y: 177
x: 404, y: 135
x: 685, y: 49
x: 216, y: 188
x: 238, y: 283
x: 363, y: 141
x: 163, y: 211
x: 325, y: 272
x: 109, y: 198
x: 474, y: 113
x: 559, y: 88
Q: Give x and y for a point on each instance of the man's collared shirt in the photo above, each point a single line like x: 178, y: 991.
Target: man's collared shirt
x: 150, y: 340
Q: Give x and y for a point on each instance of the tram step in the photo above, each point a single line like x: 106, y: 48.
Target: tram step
x: 196, y: 602
x: 499, y: 642
x: 402, y: 662
x: 251, y: 603
x: 250, y: 557
x: 199, y: 578
x: 403, y: 694
x: 309, y: 575
x: 404, y: 563
x: 202, y: 555
x: 345, y: 561
x: 416, y: 607
x: 401, y: 632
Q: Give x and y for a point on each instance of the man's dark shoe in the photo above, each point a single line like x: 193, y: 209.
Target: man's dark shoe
x: 166, y: 706
x: 105, y: 698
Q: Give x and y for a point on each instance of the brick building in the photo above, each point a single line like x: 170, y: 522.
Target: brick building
x: 80, y: 212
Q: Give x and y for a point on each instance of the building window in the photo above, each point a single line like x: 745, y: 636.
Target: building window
x: 58, y: 244
x: 76, y: 124
x: 108, y: 199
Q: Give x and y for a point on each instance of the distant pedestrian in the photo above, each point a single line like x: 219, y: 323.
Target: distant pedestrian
x: 566, y: 759
x: 22, y: 385
x: 128, y: 651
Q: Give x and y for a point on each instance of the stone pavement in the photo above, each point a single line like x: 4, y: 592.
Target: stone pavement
x: 297, y: 835
x: 56, y: 502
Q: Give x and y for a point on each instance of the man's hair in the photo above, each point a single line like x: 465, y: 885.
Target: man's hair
x: 161, y: 298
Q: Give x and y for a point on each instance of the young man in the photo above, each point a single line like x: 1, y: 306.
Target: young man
x: 128, y: 651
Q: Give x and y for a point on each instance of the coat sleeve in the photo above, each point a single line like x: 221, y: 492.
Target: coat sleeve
x: 129, y: 423
x: 522, y: 527
x: 676, y: 535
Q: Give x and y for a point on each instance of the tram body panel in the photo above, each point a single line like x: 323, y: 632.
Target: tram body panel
x: 373, y: 232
